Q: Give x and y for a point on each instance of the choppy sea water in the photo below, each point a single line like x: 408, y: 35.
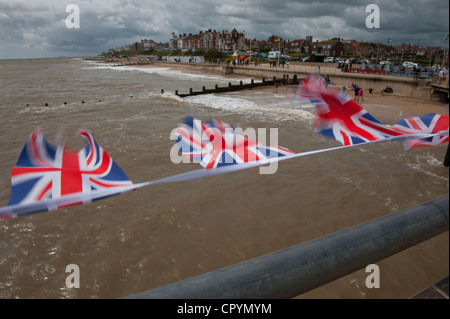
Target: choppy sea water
x: 161, y: 234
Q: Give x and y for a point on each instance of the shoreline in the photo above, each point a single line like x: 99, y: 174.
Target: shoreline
x: 409, y: 105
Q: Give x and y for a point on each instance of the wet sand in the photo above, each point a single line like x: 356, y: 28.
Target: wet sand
x: 408, y: 105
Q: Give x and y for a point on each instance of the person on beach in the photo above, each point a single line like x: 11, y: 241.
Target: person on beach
x: 360, y: 95
x: 343, y: 89
x: 356, y: 89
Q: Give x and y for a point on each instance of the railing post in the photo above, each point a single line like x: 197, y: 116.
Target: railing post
x: 446, y: 159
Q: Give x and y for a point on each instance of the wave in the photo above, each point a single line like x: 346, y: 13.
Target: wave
x: 170, y: 72
x: 279, y: 111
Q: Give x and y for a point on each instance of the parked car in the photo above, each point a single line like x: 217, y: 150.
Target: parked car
x: 307, y: 59
x: 329, y: 59
x: 409, y: 64
x: 274, y: 54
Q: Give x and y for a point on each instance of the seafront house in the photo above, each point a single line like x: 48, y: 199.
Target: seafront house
x: 233, y: 41
x: 333, y: 48
x: 301, y: 46
x: 224, y: 41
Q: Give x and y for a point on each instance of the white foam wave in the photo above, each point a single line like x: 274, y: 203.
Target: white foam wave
x: 172, y: 96
x: 222, y: 102
x: 170, y: 72
x: 239, y: 105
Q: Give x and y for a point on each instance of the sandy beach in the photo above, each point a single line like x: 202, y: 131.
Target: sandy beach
x: 408, y: 105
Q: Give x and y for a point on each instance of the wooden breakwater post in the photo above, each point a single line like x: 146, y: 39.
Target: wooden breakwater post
x: 229, y: 88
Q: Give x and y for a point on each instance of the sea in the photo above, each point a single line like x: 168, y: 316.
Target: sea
x: 161, y: 234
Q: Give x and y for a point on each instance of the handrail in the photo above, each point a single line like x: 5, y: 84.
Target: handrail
x: 290, y: 272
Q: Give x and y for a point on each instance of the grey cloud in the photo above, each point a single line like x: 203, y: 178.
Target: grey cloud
x: 106, y: 24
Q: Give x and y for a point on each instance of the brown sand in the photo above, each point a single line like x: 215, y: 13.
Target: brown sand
x: 408, y: 106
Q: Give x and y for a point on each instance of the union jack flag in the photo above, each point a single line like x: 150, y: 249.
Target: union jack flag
x: 215, y: 143
x: 340, y: 118
x: 428, y: 123
x: 43, y: 171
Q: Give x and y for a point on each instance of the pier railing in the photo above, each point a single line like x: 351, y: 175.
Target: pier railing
x: 298, y: 269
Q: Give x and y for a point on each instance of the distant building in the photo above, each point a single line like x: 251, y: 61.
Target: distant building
x: 301, y: 46
x: 232, y: 41
x: 225, y: 41
x: 333, y: 48
x: 316, y: 47
x: 236, y: 41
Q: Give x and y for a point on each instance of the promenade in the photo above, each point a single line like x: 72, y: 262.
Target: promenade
x: 423, y: 88
x: 403, y: 85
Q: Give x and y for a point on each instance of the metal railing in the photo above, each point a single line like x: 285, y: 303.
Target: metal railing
x: 290, y: 272
x: 439, y: 80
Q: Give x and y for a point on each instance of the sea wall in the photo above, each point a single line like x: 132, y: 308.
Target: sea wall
x: 401, y: 85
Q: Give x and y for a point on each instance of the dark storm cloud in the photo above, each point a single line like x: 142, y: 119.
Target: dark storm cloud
x: 39, y: 26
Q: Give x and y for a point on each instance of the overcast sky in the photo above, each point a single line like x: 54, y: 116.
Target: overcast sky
x: 37, y: 28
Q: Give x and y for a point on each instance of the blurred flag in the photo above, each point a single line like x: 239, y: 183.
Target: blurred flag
x: 340, y: 118
x: 215, y: 143
x: 47, y: 177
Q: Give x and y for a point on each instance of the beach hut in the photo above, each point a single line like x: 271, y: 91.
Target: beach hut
x: 235, y: 56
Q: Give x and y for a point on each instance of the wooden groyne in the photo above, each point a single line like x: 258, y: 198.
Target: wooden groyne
x: 241, y: 86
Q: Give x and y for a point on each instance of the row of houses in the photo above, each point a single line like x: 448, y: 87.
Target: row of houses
x: 211, y: 39
x: 336, y: 47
